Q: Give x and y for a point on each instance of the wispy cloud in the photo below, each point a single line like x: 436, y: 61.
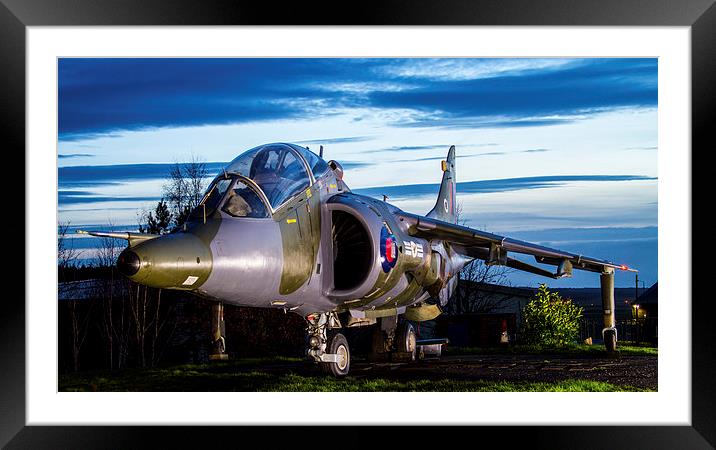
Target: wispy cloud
x: 347, y: 165
x: 489, y: 186
x: 85, y: 176
x: 75, y: 197
x: 341, y: 140
x: 436, y: 158
x: 103, y: 97
x: 75, y: 155
x: 535, y: 150
x: 468, y: 69
x: 410, y: 148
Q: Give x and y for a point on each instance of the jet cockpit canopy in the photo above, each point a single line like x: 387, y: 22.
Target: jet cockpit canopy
x: 281, y: 171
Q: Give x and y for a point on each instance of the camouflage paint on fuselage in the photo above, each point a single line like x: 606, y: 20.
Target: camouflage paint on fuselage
x: 286, y: 260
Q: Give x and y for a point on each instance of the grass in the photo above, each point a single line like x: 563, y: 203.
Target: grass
x: 236, y: 375
x: 597, y: 349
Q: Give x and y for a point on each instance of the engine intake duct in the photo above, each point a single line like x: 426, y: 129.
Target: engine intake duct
x: 352, y: 251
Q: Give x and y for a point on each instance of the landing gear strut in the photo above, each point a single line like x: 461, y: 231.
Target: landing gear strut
x: 393, y: 341
x: 609, y: 333
x: 218, y: 331
x: 326, y: 345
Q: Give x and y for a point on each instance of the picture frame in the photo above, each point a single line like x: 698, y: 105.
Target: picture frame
x: 700, y: 15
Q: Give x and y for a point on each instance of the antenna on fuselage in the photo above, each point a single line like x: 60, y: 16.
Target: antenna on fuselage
x: 320, y: 152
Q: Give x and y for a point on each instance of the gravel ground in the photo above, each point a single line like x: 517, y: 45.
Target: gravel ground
x: 637, y: 371
x: 622, y: 370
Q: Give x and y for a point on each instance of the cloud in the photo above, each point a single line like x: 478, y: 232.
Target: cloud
x: 80, y: 197
x: 410, y: 148
x: 489, y: 186
x: 437, y: 158
x: 476, y: 155
x: 535, y: 150
x: 104, y: 97
x: 347, y: 165
x: 76, y: 155
x: 342, y: 140
x: 469, y: 69
x: 86, y: 176
x: 532, y: 98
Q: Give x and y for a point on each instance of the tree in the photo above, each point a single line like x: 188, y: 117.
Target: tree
x: 79, y: 320
x: 157, y: 223
x: 470, y: 297
x: 550, y: 320
x: 66, y: 253
x: 184, y: 188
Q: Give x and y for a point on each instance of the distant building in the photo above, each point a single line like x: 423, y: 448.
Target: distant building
x: 643, y: 327
x: 480, y: 315
x: 647, y: 304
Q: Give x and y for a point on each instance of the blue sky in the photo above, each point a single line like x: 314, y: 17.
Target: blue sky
x: 559, y: 151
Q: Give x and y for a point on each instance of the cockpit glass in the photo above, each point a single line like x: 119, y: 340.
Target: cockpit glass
x: 276, y: 168
x: 242, y: 201
x: 216, y: 193
x: 318, y: 165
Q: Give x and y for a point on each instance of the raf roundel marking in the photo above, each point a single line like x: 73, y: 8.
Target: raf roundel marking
x: 388, y: 250
x: 445, y: 205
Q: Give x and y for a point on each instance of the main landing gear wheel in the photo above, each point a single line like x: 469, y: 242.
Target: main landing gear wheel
x: 610, y: 340
x: 337, y: 344
x: 405, y: 340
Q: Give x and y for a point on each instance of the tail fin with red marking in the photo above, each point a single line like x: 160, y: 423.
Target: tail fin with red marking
x: 445, y: 207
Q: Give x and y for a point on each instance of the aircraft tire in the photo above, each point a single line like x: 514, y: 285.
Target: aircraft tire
x: 405, y: 340
x: 337, y: 344
x: 610, y: 340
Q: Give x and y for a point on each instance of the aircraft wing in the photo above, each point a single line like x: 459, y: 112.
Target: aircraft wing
x: 494, y: 249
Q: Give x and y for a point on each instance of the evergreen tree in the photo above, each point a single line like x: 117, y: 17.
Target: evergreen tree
x: 160, y: 221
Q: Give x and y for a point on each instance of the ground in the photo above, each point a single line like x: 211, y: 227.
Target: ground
x: 573, y: 369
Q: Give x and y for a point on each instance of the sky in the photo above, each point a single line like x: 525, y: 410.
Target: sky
x: 561, y: 152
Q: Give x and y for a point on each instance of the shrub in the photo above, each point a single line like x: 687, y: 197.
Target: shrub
x: 550, y: 320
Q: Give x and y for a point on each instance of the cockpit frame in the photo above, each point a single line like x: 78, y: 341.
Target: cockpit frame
x: 233, y: 175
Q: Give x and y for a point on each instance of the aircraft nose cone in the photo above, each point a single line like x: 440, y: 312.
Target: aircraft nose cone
x: 174, y: 261
x: 128, y: 263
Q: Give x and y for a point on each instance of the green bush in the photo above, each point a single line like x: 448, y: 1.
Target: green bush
x: 549, y: 320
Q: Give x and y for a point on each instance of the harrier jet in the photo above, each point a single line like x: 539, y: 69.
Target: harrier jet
x: 279, y: 228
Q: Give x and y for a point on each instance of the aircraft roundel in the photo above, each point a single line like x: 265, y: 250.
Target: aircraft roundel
x: 388, y: 250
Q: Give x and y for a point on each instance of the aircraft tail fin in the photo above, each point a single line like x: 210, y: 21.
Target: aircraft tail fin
x: 445, y: 207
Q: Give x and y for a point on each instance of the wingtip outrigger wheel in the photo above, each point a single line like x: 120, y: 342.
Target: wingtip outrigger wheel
x: 610, y: 339
x: 609, y: 333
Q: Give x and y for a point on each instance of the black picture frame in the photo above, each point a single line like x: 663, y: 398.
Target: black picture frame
x: 700, y: 15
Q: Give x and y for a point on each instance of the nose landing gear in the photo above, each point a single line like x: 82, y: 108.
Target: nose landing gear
x: 218, y: 331
x: 337, y: 347
x: 326, y: 345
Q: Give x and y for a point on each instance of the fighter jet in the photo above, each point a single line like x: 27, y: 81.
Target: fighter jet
x: 279, y: 228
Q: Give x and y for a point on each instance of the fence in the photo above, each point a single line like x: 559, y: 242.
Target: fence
x: 644, y: 330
